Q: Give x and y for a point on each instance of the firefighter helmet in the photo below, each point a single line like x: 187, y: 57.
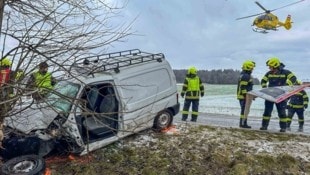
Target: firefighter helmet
x: 248, y: 65
x: 299, y: 82
x: 43, y: 65
x: 273, y: 62
x: 5, y: 62
x: 192, y: 70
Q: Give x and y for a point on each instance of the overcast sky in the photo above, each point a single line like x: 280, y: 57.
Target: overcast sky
x: 206, y: 34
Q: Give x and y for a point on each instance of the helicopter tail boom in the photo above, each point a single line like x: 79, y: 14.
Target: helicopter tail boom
x: 287, y: 24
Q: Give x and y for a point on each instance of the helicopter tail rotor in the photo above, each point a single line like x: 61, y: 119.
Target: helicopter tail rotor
x: 288, y: 23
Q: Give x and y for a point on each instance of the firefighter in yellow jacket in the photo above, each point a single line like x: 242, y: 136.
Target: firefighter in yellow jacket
x: 245, y: 84
x: 276, y: 76
x: 192, y: 90
x: 297, y: 104
x: 43, y: 80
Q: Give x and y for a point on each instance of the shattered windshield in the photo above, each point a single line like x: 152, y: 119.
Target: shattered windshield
x: 63, y: 95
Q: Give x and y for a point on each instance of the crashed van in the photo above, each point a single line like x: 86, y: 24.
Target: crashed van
x: 100, y: 101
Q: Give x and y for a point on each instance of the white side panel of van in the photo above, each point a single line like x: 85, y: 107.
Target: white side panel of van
x: 146, y: 88
x: 146, y: 93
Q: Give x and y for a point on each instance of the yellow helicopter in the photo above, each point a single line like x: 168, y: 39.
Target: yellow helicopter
x: 267, y: 21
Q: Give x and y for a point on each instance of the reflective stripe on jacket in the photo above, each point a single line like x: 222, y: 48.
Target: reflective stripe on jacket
x: 299, y: 100
x: 245, y: 84
x: 192, y: 87
x: 282, y: 77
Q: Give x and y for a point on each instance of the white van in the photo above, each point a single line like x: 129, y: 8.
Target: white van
x: 102, y: 100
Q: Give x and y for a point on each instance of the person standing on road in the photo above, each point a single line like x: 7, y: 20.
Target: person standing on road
x: 192, y: 90
x: 297, y: 104
x: 276, y: 76
x: 245, y: 84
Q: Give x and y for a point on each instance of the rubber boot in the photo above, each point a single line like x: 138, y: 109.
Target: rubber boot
x: 243, y: 123
x: 283, y: 126
x: 282, y: 130
x: 194, y: 119
x: 264, y: 125
x: 301, y: 129
x: 288, y: 126
x: 246, y: 124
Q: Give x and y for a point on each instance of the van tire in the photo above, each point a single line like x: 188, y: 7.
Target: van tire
x: 24, y: 165
x: 162, y: 120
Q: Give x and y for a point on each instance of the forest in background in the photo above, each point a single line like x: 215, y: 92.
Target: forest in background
x: 220, y: 76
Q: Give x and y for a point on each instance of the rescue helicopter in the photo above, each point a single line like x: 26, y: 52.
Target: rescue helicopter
x: 267, y: 21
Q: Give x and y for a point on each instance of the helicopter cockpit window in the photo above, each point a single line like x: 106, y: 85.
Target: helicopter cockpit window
x: 264, y: 17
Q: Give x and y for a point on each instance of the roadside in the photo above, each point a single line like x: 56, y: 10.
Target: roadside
x: 199, y: 148
x: 232, y: 121
x: 213, y: 145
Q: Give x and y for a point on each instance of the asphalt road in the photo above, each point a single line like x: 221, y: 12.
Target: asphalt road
x: 232, y: 121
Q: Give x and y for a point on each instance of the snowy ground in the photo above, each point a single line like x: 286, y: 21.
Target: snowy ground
x: 259, y: 143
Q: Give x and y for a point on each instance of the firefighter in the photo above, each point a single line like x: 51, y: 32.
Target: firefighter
x: 192, y: 90
x: 276, y: 76
x: 5, y: 89
x: 5, y: 68
x: 245, y: 84
x: 297, y: 104
x: 41, y: 79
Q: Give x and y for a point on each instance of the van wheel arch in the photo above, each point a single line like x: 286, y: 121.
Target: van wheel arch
x: 163, y: 120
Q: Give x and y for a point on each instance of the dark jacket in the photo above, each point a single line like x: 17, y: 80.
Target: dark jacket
x: 245, y: 84
x: 281, y: 77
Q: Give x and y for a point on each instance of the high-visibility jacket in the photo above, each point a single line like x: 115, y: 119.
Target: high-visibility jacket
x: 4, y: 76
x: 43, y: 81
x: 192, y: 87
x: 281, y: 77
x: 19, y: 75
x: 245, y: 84
x: 299, y: 100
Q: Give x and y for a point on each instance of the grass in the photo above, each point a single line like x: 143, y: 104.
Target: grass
x: 196, y: 150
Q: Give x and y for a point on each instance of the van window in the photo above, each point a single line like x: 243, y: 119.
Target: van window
x: 62, y: 95
x: 147, y: 84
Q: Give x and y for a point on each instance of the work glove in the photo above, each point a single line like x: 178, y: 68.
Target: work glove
x: 305, y: 106
x: 182, y: 95
x: 202, y: 94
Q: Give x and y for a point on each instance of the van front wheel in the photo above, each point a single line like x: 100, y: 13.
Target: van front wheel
x: 22, y: 165
x: 163, y: 120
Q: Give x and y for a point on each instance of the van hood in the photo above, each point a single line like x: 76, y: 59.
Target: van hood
x: 31, y: 119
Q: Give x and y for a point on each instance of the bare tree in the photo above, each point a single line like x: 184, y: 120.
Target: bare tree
x: 58, y: 31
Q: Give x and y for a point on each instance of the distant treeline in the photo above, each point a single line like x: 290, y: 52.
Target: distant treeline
x: 226, y: 76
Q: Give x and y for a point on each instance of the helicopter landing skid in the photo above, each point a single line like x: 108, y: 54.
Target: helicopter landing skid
x: 258, y: 30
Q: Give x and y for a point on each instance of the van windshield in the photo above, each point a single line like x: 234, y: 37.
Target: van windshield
x: 63, y: 95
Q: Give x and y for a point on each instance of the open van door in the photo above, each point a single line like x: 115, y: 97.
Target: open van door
x: 100, y: 119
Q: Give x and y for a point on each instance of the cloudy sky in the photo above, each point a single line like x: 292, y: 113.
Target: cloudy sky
x: 206, y: 34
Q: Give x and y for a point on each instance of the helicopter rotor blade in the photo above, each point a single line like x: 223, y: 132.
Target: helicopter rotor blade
x: 257, y: 3
x: 250, y: 16
x: 287, y: 5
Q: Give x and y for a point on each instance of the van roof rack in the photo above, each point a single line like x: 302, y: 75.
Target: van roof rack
x: 114, y: 61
